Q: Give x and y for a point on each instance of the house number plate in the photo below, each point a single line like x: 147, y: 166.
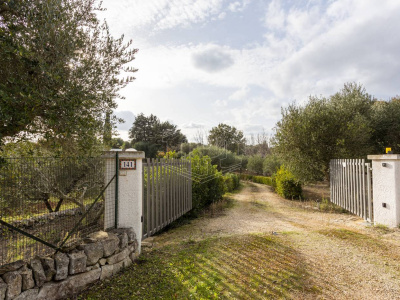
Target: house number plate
x: 127, y: 164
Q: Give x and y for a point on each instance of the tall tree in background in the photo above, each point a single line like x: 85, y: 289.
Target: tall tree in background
x: 308, y: 137
x: 60, y: 69
x: 150, y: 134
x: 227, y: 136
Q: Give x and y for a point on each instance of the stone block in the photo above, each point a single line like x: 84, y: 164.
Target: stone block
x: 27, y: 278
x: 68, y: 287
x: 77, y: 262
x: 11, y: 267
x: 110, y: 245
x: 118, y: 267
x: 28, y: 295
x: 3, y: 289
x: 123, y: 240
x: 96, y: 236
x: 127, y: 262
x: 118, y: 257
x: 128, y: 231
x: 48, y: 267
x: 38, y: 272
x: 61, y: 264
x: 102, y: 261
x: 106, y: 271
x: 14, y: 284
x: 134, y: 255
x: 93, y: 251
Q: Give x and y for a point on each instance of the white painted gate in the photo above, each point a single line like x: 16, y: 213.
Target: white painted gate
x: 351, y: 186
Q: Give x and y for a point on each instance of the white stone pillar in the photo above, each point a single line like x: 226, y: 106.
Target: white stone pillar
x: 129, y: 204
x: 386, y: 189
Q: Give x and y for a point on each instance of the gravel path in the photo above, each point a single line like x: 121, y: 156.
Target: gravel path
x: 366, y: 266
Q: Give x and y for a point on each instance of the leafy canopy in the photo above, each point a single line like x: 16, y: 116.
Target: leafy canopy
x: 60, y: 69
x: 228, y: 137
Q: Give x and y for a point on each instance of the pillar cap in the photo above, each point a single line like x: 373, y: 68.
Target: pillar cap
x: 384, y: 157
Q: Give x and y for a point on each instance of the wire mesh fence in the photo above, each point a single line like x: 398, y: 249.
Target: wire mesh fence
x: 46, y: 203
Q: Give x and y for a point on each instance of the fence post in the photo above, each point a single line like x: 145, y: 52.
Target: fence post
x: 128, y: 212
x: 386, y: 189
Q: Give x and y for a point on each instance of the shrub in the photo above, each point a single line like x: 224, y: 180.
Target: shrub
x: 286, y: 185
x: 257, y: 179
x: 271, y: 164
x: 222, y: 158
x: 207, y: 185
x: 255, y: 164
x: 231, y: 182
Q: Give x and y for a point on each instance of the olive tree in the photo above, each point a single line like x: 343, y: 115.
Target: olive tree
x: 60, y: 69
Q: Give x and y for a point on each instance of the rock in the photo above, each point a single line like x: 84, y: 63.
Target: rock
x: 93, y: 251
x: 38, y: 272
x: 127, y: 262
x: 28, y: 295
x: 14, y: 284
x: 96, y: 236
x: 128, y: 231
x: 123, y: 240
x: 61, y: 264
x: 106, y: 271
x: 118, y: 257
x: 3, y: 289
x: 118, y: 267
x: 68, y: 287
x: 94, y: 267
x: 48, y: 267
x: 102, y: 261
x: 77, y: 262
x: 27, y: 278
x: 110, y: 245
x: 134, y: 255
x: 11, y: 267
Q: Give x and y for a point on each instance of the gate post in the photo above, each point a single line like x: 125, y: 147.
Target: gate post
x: 128, y: 212
x: 386, y: 189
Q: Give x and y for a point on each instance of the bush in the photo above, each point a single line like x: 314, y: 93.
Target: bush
x: 286, y: 185
x: 222, y: 158
x: 257, y: 179
x: 271, y: 165
x: 231, y: 182
x: 255, y: 164
x: 207, y: 182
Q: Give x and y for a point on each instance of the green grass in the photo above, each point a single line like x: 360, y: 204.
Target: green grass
x: 241, y: 267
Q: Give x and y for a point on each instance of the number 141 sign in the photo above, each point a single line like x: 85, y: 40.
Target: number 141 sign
x: 127, y: 164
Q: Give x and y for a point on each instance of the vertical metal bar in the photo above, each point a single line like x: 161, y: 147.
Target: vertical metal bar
x: 148, y: 219
x: 369, y: 187
x: 190, y: 185
x: 331, y: 186
x: 152, y: 198
x: 364, y: 206
x: 116, y: 188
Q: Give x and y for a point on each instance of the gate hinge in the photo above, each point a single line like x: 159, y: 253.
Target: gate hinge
x: 141, y: 219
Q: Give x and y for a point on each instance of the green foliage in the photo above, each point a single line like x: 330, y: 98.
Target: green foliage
x: 255, y: 164
x: 228, y: 137
x: 271, y: 164
x: 60, y: 70
x: 222, y: 158
x: 231, y: 182
x: 208, y: 185
x: 257, y: 179
x: 150, y: 149
x: 309, y: 136
x: 188, y: 147
x: 286, y: 185
x: 152, y: 131
x: 386, y: 124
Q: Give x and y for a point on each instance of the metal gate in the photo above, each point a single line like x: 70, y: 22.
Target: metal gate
x: 167, y: 192
x: 351, y: 186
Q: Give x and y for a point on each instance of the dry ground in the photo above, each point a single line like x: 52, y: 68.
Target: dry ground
x: 264, y: 247
x: 347, y: 259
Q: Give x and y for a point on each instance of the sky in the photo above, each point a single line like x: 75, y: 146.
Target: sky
x: 205, y: 62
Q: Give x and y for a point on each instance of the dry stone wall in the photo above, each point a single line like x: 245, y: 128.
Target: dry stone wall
x: 100, y: 256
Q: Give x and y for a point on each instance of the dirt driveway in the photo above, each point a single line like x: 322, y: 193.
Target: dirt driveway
x: 346, y: 258
x: 260, y: 246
